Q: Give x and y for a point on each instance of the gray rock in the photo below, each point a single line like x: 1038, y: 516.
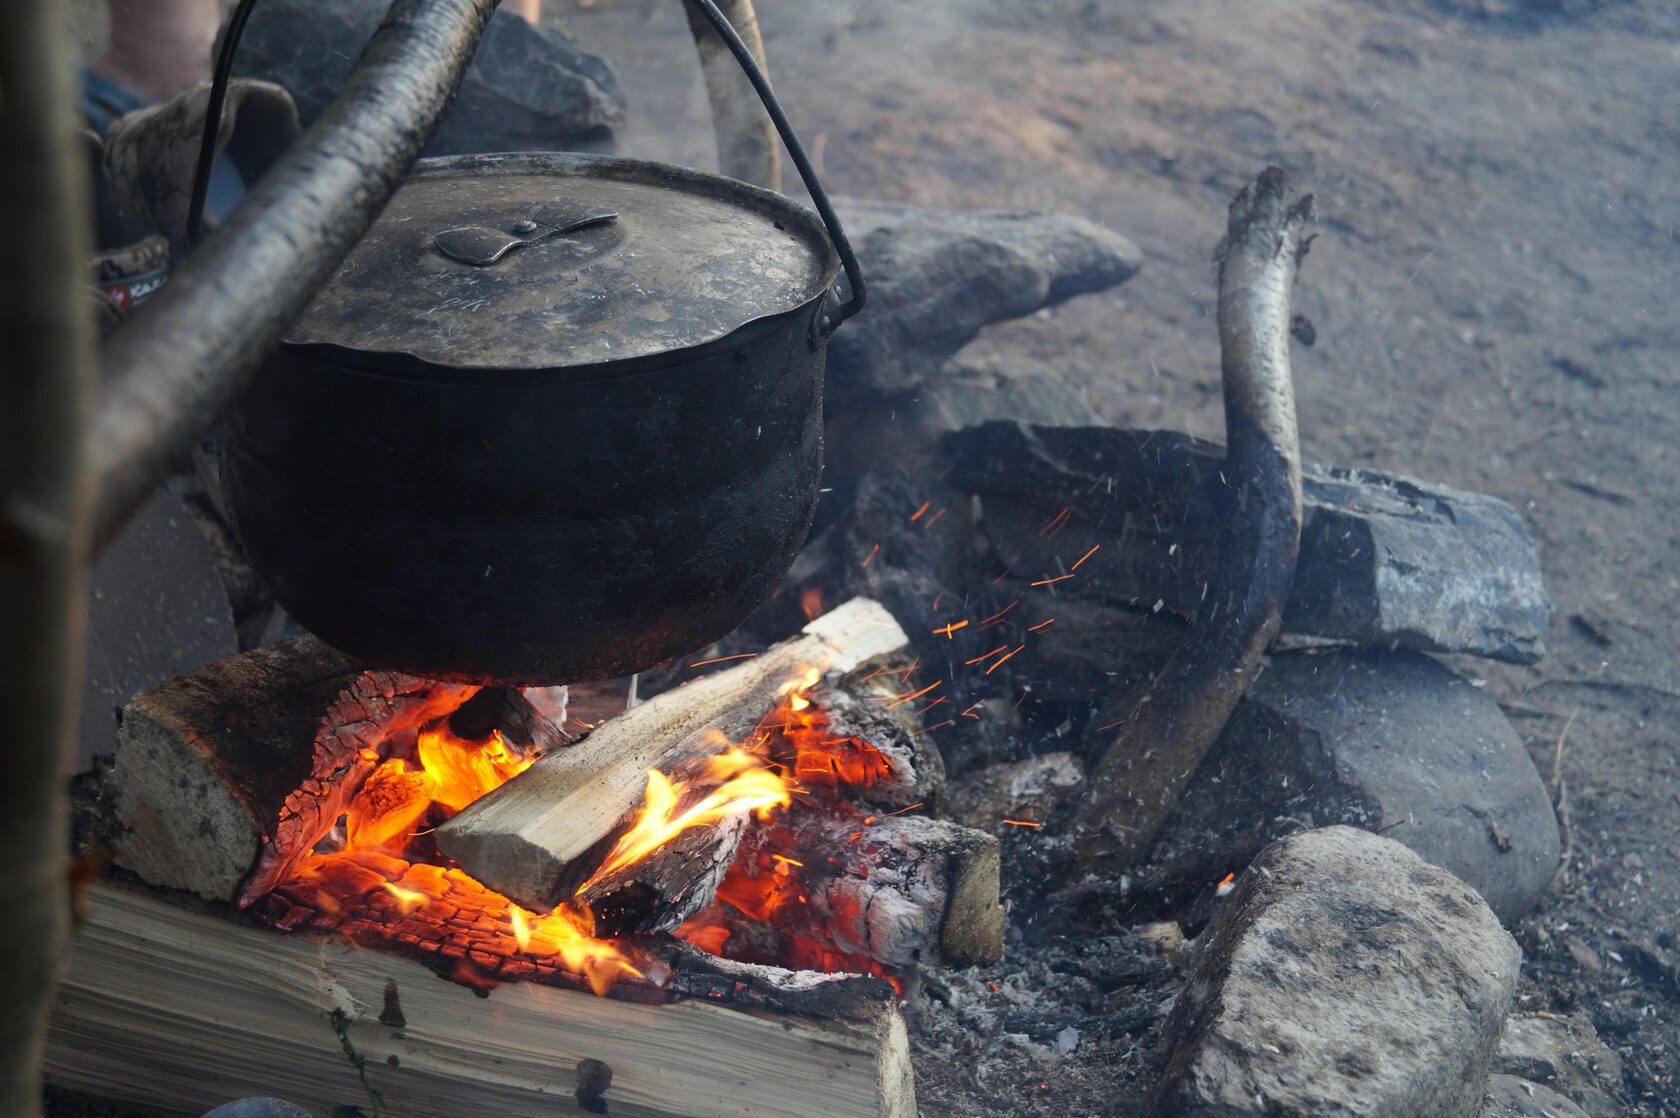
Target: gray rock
x: 1342, y: 977
x: 1388, y: 560
x: 1510, y: 1097
x: 1384, y: 559
x: 258, y: 1108
x: 529, y: 88
x: 935, y: 279
x: 1391, y: 742
x: 1564, y: 1055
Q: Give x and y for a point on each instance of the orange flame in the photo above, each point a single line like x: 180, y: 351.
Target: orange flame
x: 466, y: 770
x: 567, y: 934
x: 748, y: 785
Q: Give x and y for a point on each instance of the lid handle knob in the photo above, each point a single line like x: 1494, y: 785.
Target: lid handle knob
x: 481, y: 246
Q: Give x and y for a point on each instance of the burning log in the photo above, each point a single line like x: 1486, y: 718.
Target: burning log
x: 180, y: 1009
x: 843, y: 746
x: 523, y: 839
x: 1164, y: 736
x: 826, y: 890
x: 206, y: 763
x: 226, y: 778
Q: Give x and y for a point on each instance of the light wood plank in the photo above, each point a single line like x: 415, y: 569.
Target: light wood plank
x: 180, y: 1010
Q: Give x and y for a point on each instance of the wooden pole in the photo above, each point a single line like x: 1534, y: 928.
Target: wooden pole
x: 184, y: 355
x: 46, y: 388
x: 748, y: 147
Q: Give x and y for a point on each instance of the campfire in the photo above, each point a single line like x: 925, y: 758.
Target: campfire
x: 378, y: 877
x: 758, y: 838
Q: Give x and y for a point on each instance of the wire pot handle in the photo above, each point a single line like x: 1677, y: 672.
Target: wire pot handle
x: 827, y: 321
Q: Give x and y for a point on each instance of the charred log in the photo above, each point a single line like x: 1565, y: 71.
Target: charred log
x: 225, y: 778
x: 505, y: 711
x: 668, y: 886
x: 1163, y: 737
x: 829, y: 890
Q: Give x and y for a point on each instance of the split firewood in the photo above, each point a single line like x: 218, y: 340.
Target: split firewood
x: 177, y: 1010
x: 523, y: 838
x: 1162, y: 739
x: 226, y: 777
x: 667, y: 886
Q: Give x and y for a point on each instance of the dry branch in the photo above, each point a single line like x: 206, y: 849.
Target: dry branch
x: 181, y: 1010
x: 748, y: 147
x: 521, y: 838
x: 1163, y: 738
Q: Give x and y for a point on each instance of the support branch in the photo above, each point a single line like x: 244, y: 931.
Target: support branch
x: 1163, y: 737
x: 46, y: 384
x: 195, y: 344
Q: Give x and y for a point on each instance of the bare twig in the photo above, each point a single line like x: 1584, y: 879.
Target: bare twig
x: 1560, y: 805
x: 1164, y: 737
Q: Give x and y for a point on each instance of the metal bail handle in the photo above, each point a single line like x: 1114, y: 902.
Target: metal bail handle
x: 827, y: 321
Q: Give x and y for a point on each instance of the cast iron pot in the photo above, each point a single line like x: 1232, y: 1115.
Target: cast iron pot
x: 557, y: 418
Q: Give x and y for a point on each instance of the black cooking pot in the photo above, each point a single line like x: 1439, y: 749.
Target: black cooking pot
x: 557, y: 417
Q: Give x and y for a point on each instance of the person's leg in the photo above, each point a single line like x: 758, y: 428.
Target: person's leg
x: 530, y: 9
x: 160, y: 48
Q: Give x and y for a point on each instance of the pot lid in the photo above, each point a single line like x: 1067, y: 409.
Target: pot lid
x: 559, y: 260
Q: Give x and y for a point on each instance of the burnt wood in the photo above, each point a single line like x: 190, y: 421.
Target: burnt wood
x: 1379, y: 552
x: 903, y: 891
x: 228, y: 775
x: 673, y: 883
x: 1162, y: 738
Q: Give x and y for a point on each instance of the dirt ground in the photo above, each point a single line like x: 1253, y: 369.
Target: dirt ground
x: 1494, y: 294
x: 1493, y: 287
